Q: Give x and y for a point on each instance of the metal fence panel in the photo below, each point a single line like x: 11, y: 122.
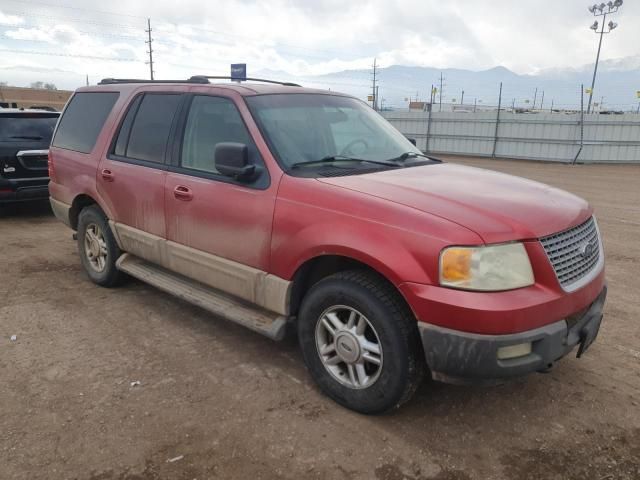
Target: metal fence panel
x: 540, y: 136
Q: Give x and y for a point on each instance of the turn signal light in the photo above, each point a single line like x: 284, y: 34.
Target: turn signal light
x: 456, y: 264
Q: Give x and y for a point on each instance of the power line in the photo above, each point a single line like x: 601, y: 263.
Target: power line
x: 55, y: 54
x: 85, y: 32
x: 72, y: 20
x: 69, y: 7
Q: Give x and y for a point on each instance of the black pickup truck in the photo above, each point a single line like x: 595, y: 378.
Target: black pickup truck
x: 25, y: 136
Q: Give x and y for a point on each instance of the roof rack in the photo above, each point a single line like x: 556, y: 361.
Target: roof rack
x: 112, y: 81
x: 198, y: 79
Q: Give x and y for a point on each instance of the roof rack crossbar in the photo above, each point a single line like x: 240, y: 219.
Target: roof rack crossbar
x: 250, y: 79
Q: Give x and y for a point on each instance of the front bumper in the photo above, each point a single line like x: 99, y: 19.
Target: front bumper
x: 459, y: 357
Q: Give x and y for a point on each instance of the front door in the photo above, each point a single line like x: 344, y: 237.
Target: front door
x: 219, y: 229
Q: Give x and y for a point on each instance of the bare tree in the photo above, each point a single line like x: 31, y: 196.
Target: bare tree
x: 43, y: 85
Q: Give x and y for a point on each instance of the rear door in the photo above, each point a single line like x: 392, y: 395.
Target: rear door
x: 132, y: 175
x: 24, y: 144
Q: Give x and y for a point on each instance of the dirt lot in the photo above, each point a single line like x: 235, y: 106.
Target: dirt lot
x: 222, y: 402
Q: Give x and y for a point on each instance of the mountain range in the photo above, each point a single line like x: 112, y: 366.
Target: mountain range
x: 618, y: 82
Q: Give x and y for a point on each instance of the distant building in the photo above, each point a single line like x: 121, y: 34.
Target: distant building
x: 18, y: 97
x: 419, y: 106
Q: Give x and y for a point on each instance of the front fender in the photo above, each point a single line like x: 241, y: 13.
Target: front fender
x: 313, y: 219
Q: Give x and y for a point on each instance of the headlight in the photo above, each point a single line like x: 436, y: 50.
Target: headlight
x: 490, y: 268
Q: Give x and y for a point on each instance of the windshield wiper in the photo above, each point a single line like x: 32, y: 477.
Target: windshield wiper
x: 406, y: 155
x: 26, y: 137
x: 342, y: 158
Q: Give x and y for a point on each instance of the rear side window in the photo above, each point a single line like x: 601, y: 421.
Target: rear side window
x: 145, y: 129
x: 83, y: 120
x: 18, y: 128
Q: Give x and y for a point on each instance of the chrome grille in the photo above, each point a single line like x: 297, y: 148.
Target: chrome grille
x: 574, y: 253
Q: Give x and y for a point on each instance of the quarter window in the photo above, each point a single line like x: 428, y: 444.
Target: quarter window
x: 211, y: 120
x: 83, y: 120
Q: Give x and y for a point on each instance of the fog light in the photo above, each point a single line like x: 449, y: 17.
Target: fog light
x: 514, y: 351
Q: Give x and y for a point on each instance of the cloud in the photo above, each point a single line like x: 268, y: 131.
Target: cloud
x: 304, y: 37
x: 10, y: 19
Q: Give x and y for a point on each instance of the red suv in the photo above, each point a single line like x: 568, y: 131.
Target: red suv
x: 274, y: 205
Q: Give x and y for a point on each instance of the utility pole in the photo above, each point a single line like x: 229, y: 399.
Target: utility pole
x: 441, y: 85
x: 462, y: 98
x: 542, y: 101
x: 513, y: 105
x: 150, y: 52
x: 612, y: 8
x: 377, y: 95
x: 87, y: 79
x: 551, y: 109
x: 373, y: 86
x: 535, y: 97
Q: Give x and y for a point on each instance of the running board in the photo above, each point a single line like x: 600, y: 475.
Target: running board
x: 267, y: 323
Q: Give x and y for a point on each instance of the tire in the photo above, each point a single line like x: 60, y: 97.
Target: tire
x: 390, y: 324
x: 103, y: 272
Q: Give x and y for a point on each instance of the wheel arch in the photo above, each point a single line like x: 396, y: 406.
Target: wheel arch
x: 79, y: 202
x: 321, y: 266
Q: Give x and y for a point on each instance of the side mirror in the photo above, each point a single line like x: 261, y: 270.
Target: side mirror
x: 232, y: 160
x: 412, y: 140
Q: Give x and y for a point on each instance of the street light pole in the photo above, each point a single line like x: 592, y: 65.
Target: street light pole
x: 594, y: 9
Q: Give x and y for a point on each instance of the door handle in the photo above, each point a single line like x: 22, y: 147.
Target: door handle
x: 182, y: 193
x: 107, y: 175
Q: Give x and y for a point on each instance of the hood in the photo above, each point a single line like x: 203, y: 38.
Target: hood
x: 496, y: 206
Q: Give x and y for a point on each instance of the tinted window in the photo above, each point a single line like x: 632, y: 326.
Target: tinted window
x: 211, y: 120
x: 150, y: 129
x: 27, y: 127
x: 83, y: 120
x: 125, y: 129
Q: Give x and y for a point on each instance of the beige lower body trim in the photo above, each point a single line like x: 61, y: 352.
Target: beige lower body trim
x: 255, y: 286
x: 61, y: 211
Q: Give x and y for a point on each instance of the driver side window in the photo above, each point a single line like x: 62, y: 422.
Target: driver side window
x: 211, y: 120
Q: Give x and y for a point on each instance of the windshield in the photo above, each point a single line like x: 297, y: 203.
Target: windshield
x: 25, y: 127
x: 314, y: 127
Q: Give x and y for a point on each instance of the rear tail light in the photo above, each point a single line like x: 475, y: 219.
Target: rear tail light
x: 52, y: 172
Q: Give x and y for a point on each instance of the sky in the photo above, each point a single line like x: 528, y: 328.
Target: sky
x: 62, y: 41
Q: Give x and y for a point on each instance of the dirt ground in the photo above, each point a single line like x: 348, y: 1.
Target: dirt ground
x: 218, y: 401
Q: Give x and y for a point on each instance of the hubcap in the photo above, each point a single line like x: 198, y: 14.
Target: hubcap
x: 349, y: 347
x: 95, y: 247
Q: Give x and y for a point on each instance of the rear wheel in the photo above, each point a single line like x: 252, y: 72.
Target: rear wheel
x: 360, y: 342
x: 98, y: 248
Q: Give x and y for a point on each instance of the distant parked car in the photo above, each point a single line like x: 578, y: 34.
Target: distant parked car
x: 276, y: 205
x: 25, y: 136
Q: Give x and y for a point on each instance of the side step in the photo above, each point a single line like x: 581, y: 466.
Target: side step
x: 259, y: 320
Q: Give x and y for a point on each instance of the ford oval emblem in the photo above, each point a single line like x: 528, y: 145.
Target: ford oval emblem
x: 586, y: 249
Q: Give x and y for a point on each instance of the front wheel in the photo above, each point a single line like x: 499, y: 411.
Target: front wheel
x: 360, y: 342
